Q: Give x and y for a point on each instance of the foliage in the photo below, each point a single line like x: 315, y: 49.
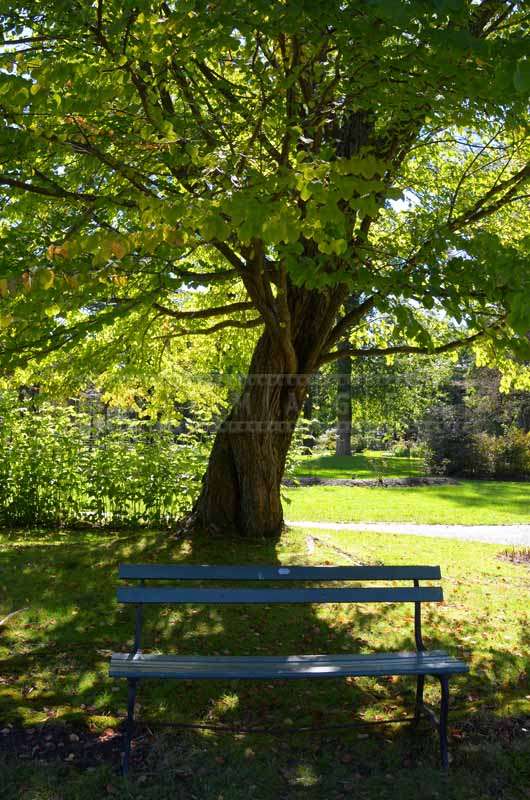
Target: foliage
x: 409, y: 449
x: 495, y: 406
x: 389, y: 397
x: 446, y: 432
x: 195, y: 161
x: 476, y: 429
x: 505, y: 456
x: 64, y: 465
x: 147, y: 374
x: 298, y: 448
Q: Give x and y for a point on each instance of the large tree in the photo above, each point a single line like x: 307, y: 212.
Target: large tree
x: 206, y: 165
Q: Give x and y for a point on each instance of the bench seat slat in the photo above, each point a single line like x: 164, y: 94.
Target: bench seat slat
x: 161, y: 594
x: 347, y: 657
x: 142, y: 665
x: 213, y: 572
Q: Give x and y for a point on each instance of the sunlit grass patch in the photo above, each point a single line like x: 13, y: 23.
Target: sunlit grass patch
x: 466, y: 503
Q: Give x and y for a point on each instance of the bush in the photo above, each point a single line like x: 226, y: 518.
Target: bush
x: 408, y: 449
x: 512, y: 455
x: 506, y: 456
x: 455, y: 449
x: 446, y: 435
x: 480, y: 462
x: 62, y: 465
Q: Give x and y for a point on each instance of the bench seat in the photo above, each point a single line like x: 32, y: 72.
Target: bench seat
x: 202, y: 585
x: 147, y: 665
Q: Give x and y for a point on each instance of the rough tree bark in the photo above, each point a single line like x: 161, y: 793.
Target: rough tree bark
x: 241, y: 487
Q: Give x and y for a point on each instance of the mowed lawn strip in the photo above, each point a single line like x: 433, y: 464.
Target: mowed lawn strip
x: 464, y: 503
x: 54, y: 659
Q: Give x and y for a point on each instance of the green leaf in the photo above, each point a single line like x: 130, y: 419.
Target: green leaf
x: 46, y: 278
x: 53, y: 310
x: 339, y: 246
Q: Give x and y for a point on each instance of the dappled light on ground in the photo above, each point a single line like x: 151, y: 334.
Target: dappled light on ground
x: 54, y: 658
x: 368, y: 464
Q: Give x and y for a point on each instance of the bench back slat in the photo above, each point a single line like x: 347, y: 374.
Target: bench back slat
x: 162, y: 594
x: 207, y: 572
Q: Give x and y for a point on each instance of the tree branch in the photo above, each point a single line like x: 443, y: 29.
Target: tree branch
x: 12, y: 614
x: 192, y: 104
x: 129, y: 173
x: 99, y: 18
x: 208, y: 277
x: 61, y: 194
x: 204, y: 313
x: 480, y: 210
x: 226, y: 323
x: 231, y: 256
x: 33, y: 39
x: 405, y: 348
x: 222, y: 86
x: 485, y: 19
x: 351, y: 318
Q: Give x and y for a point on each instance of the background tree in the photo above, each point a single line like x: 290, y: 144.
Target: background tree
x: 387, y: 399
x: 344, y: 392
x: 258, y: 152
x: 344, y: 403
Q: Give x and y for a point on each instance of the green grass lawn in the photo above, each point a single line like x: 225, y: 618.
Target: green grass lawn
x: 369, y: 464
x: 53, y: 665
x: 465, y: 503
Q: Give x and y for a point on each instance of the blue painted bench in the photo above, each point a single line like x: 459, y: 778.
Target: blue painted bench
x: 137, y: 665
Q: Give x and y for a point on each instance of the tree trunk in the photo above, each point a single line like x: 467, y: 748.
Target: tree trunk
x: 241, y: 487
x: 344, y: 405
x: 309, y: 438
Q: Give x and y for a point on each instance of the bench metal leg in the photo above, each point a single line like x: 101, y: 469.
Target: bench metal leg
x: 442, y: 724
x: 132, y: 683
x: 420, y: 683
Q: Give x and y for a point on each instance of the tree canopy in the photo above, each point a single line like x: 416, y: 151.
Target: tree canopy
x: 207, y: 166
x: 151, y: 147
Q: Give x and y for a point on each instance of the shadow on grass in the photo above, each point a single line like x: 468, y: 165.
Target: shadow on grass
x: 362, y: 465
x: 54, y: 663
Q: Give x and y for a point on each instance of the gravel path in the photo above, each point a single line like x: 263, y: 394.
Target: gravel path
x: 495, y: 534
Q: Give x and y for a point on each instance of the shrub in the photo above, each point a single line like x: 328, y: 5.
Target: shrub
x: 480, y: 461
x: 455, y: 449
x: 512, y: 455
x: 446, y: 435
x: 401, y: 448
x: 61, y: 465
x: 407, y: 448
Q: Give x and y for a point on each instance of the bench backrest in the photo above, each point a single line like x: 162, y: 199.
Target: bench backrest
x: 203, y: 573
x: 230, y: 595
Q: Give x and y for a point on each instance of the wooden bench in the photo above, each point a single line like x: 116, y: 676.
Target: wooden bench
x: 137, y: 665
